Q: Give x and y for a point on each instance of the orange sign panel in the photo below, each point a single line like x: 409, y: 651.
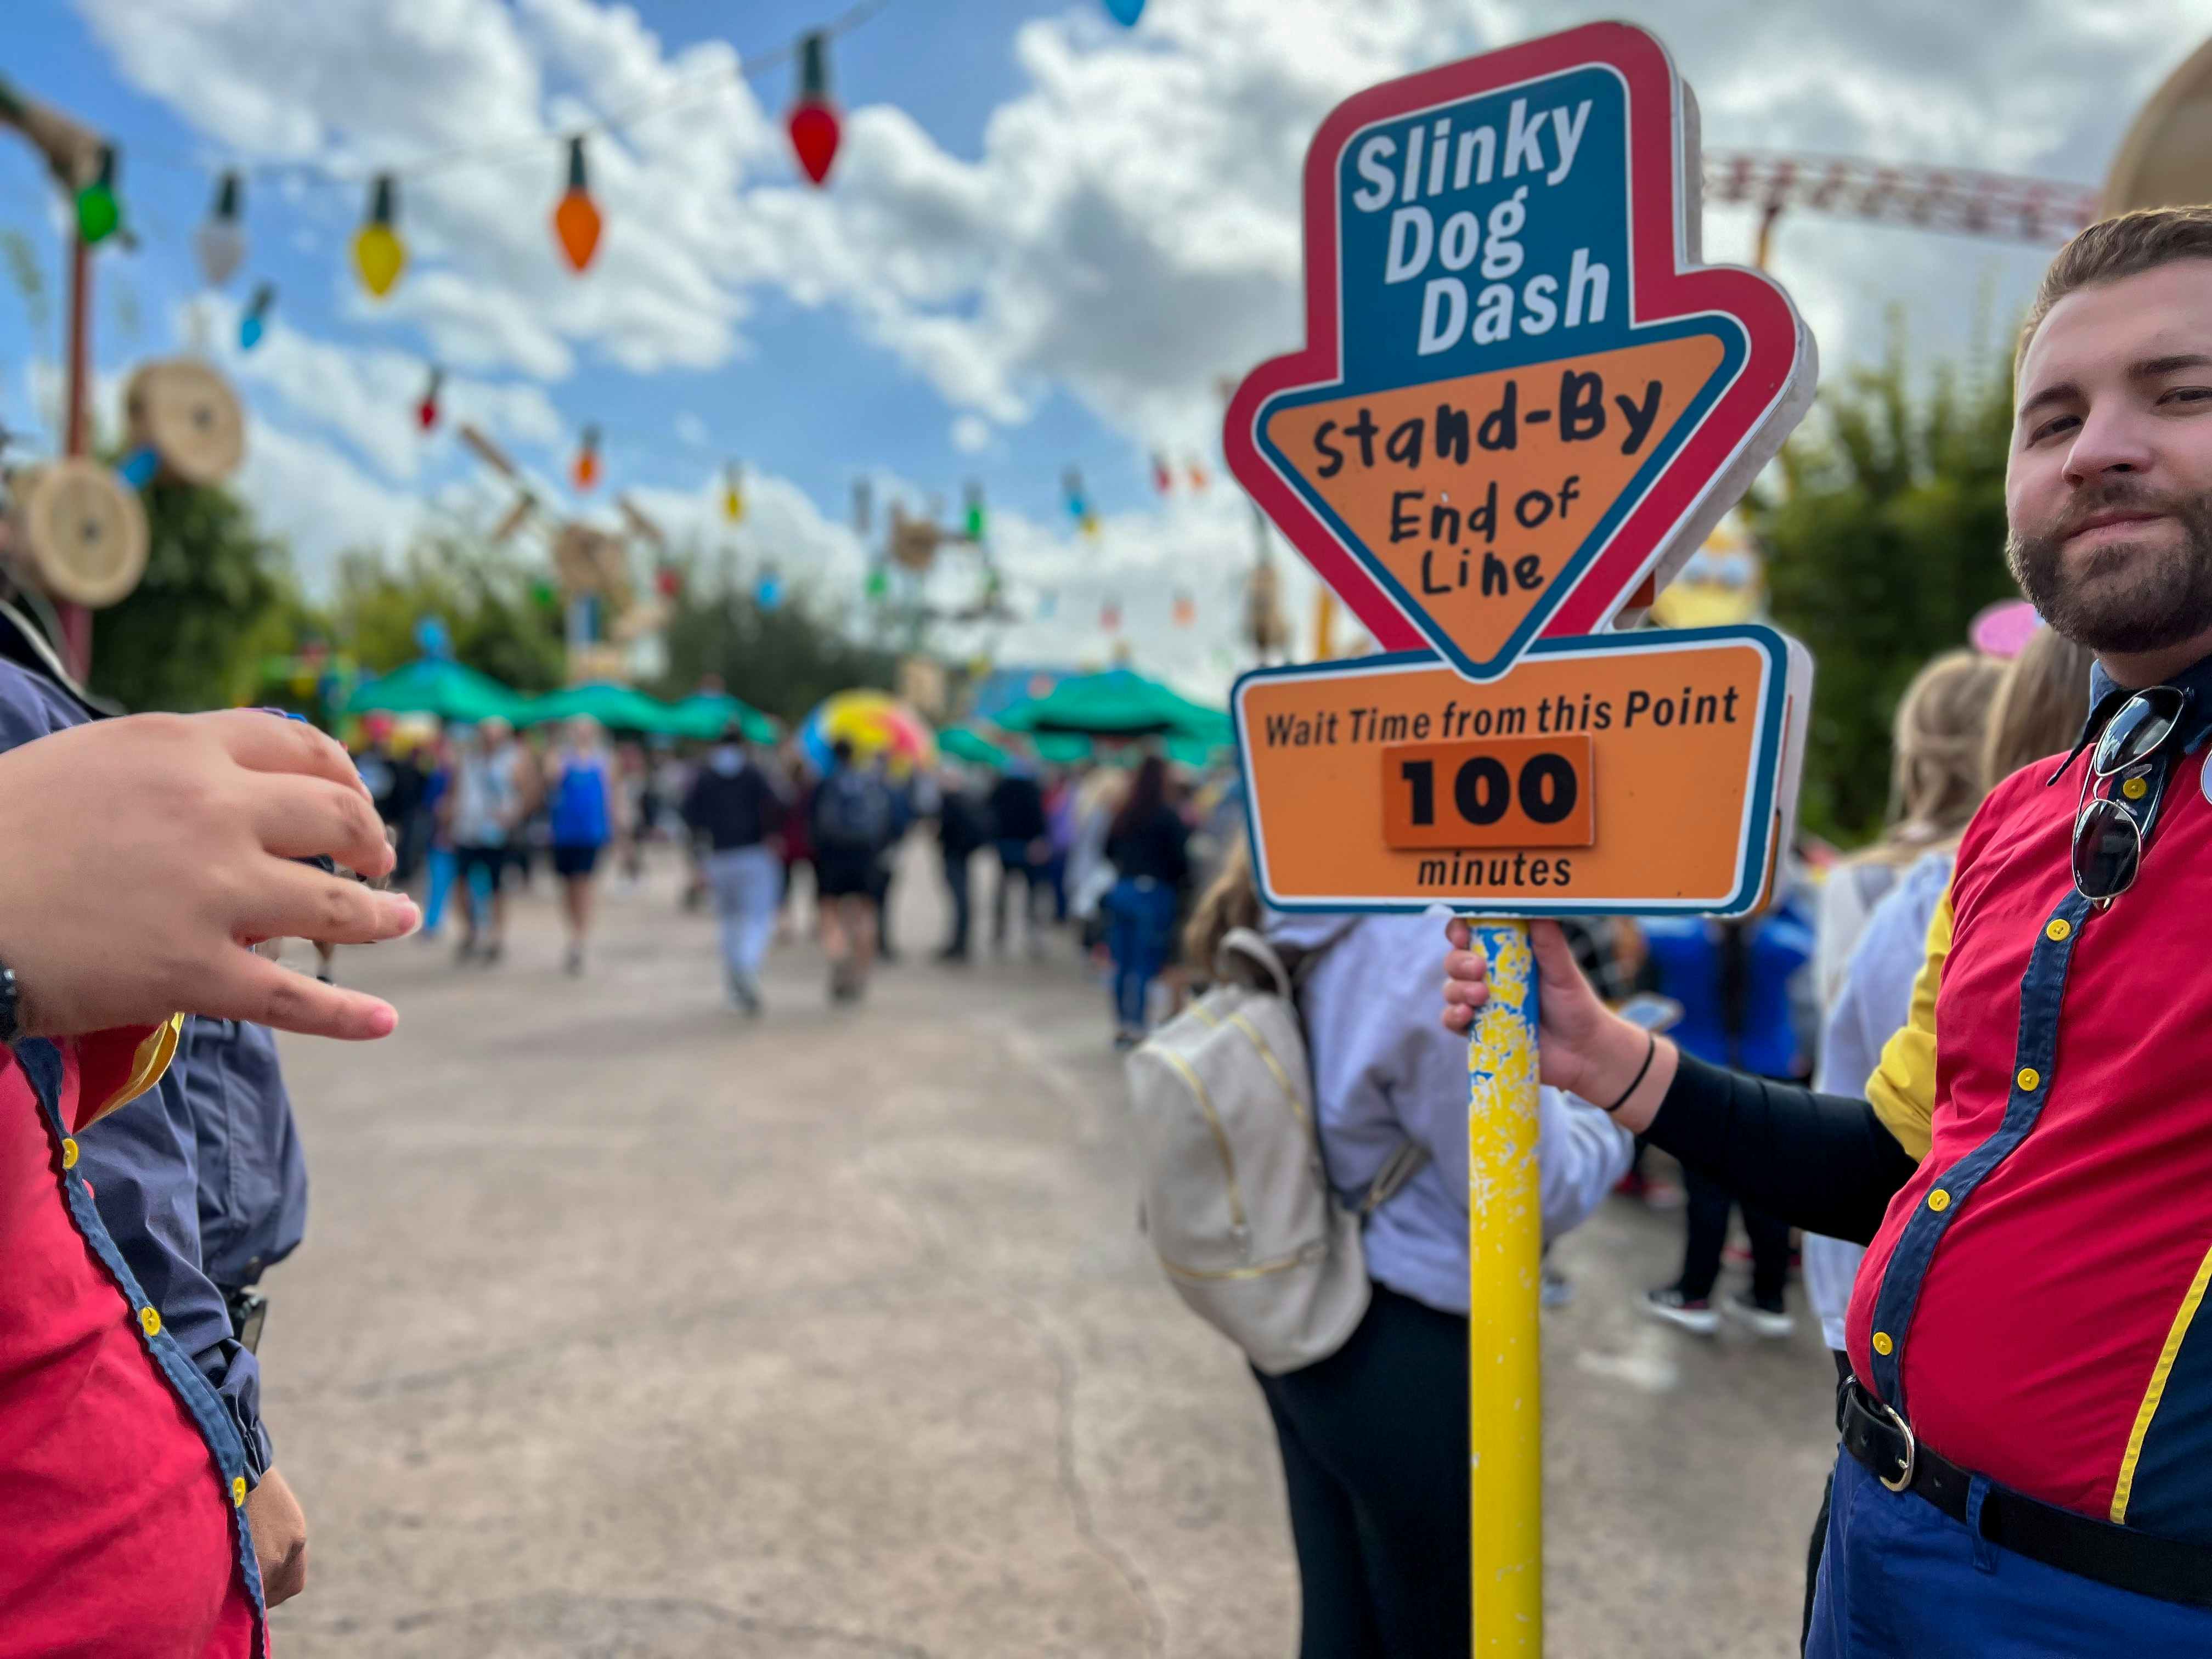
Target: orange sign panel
x: 1476, y: 495
x: 1695, y: 733
x: 1514, y: 791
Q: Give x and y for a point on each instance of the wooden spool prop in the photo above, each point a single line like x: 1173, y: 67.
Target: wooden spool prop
x: 183, y: 411
x: 84, y: 531
x: 1523, y: 404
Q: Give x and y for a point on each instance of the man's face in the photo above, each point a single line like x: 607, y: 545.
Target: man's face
x: 2108, y: 491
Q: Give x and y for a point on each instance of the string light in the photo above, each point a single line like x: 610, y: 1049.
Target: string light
x: 1186, y: 610
x: 668, y: 581
x: 576, y: 216
x: 379, y: 255
x: 879, y: 581
x: 426, y: 412
x: 255, y: 323
x: 220, y: 242
x: 1196, y: 470
x: 98, y: 213
x: 140, y: 467
x: 1109, y: 615
x: 977, y: 523
x: 1071, y: 488
x: 767, y: 591
x: 1163, y: 476
x: 1126, y: 12
x: 734, y: 493
x: 813, y: 119
x: 585, y: 473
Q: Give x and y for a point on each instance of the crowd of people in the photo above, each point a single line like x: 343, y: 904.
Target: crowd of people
x: 1963, y: 1064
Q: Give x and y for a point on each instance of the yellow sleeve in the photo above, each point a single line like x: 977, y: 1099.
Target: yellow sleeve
x: 1902, y: 1089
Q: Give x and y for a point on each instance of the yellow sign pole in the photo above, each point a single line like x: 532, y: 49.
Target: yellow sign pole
x: 1506, y: 1249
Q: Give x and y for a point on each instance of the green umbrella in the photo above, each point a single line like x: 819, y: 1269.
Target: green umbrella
x: 617, y: 707
x: 1063, y: 748
x: 1120, y: 703
x: 707, y: 714
x: 436, y: 685
x: 967, y: 744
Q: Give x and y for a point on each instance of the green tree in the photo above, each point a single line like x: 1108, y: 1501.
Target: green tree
x: 1885, y: 537
x: 495, y: 604
x: 784, y: 660
x: 216, y: 598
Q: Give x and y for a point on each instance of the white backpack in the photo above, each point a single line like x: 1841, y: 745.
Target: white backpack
x: 1235, y: 1197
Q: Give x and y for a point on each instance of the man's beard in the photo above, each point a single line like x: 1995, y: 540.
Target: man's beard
x: 2125, y: 598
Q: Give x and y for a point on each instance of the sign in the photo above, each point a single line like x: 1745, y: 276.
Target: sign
x: 1647, y: 772
x: 1522, y: 402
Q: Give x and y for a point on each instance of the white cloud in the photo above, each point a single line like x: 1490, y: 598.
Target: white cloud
x: 307, y: 493
x: 971, y: 434
x: 691, y: 429
x: 369, y: 395
x: 1128, y: 231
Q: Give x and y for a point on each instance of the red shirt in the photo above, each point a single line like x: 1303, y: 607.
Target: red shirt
x: 116, y: 1530
x: 2032, y: 1303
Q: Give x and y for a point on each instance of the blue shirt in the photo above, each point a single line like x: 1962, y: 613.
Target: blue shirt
x: 203, y: 1175
x: 1760, y: 1034
x: 579, y: 811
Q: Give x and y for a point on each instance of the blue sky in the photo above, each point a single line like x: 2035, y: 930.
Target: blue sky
x: 1046, y: 241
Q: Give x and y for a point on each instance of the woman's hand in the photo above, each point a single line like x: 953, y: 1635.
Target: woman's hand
x: 1582, y: 1045
x: 141, y: 858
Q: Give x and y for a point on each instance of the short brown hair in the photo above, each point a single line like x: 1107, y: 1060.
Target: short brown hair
x: 2110, y: 249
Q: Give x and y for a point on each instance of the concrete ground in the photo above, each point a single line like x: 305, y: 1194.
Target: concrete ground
x: 627, y: 1326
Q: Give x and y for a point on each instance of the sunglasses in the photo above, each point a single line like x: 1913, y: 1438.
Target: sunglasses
x: 2108, y: 829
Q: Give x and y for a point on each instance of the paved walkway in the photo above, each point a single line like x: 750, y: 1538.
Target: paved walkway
x: 625, y: 1326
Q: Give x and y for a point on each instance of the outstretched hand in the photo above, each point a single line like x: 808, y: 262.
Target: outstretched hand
x: 146, y: 855
x: 1583, y: 1046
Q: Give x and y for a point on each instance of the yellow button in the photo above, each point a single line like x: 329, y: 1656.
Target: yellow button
x: 237, y: 1491
x: 2136, y: 788
x: 69, y: 1153
x: 1882, y: 1345
x: 1939, y: 1200
x: 2058, y: 929
x: 2029, y: 1078
x: 149, y: 1321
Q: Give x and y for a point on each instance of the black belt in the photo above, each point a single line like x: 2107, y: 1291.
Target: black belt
x: 2165, y: 1569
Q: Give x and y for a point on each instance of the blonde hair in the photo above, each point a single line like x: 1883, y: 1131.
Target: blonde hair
x: 1936, y: 752
x: 1231, y: 901
x: 2041, y: 705
x: 2115, y: 248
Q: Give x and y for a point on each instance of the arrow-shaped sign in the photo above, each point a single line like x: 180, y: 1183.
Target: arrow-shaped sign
x: 1521, y: 396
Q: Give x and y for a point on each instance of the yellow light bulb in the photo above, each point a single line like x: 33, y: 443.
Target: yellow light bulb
x: 379, y: 256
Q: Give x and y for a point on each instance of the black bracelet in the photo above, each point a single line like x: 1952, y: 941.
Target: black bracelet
x: 1650, y: 1048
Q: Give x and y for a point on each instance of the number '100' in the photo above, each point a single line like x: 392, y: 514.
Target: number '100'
x: 1545, y: 791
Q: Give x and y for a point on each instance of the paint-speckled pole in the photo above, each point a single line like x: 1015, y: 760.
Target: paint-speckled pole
x: 1505, y: 1248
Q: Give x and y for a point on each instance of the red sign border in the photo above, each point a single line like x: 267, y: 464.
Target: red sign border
x: 1738, y: 436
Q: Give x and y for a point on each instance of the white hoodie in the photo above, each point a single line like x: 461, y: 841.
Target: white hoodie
x: 1385, y: 1070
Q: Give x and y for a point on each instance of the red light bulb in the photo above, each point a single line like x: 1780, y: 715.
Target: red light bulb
x: 813, y: 119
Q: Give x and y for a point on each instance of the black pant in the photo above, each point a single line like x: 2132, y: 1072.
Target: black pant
x: 956, y: 882
x: 1375, y: 1460
x: 1709, y: 1206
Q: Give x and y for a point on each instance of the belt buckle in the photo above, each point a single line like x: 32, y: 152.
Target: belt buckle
x: 1911, y: 1449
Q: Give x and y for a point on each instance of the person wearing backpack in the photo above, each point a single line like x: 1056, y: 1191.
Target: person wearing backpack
x: 735, y: 805
x: 852, y: 826
x: 1303, y: 1138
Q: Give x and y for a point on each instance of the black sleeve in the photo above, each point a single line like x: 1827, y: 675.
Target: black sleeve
x: 1823, y: 1162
